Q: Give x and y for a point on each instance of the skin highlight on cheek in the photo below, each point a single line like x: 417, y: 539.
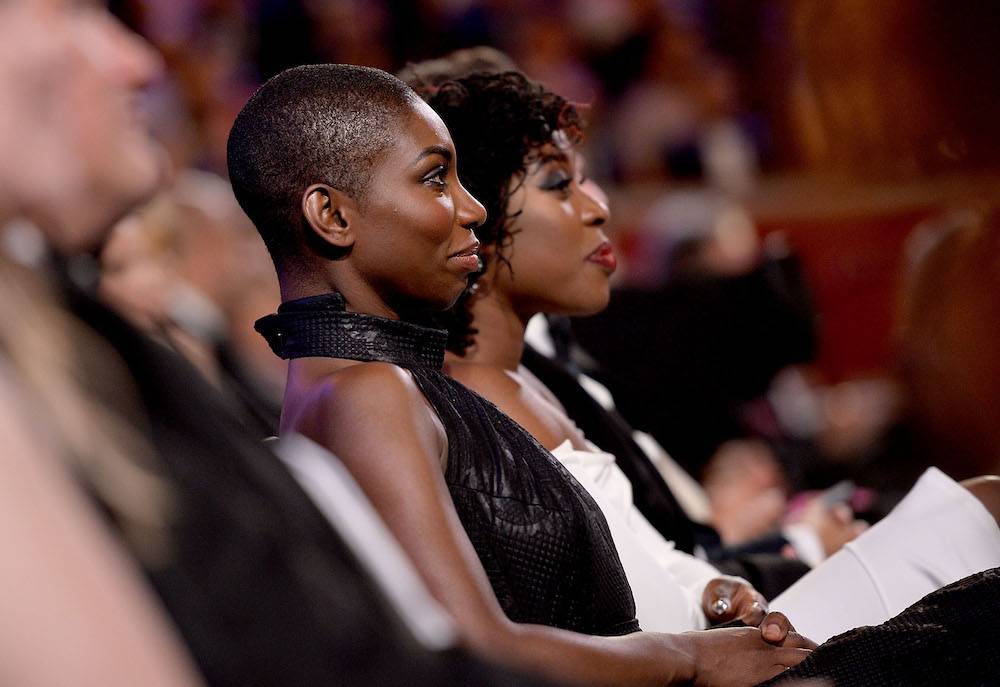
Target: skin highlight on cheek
x: 559, y: 259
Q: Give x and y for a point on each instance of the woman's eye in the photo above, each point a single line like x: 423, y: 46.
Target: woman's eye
x: 560, y: 184
x: 437, y: 178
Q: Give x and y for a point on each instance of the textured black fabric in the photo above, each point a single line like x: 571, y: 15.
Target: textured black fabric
x: 543, y: 542
x: 261, y: 588
x: 947, y: 638
x: 312, y: 326
x: 769, y: 573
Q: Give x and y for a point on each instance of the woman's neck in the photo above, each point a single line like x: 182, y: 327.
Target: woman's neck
x: 358, y: 295
x: 500, y: 332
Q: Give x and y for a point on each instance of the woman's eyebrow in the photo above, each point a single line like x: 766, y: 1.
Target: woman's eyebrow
x: 434, y: 150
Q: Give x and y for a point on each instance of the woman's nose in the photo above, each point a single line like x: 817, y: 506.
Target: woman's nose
x: 471, y: 213
x: 595, y: 210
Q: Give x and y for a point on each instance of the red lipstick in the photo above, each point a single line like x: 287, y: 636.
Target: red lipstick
x: 604, y: 256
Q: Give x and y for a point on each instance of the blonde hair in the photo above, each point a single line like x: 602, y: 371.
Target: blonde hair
x: 71, y: 379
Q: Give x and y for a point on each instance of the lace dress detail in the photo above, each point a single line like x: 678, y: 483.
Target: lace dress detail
x: 542, y: 540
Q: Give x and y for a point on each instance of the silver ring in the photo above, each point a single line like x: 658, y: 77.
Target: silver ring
x: 721, y: 605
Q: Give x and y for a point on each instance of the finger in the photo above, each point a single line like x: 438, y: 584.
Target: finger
x: 789, y: 658
x: 753, y: 610
x: 719, y: 601
x: 775, y: 627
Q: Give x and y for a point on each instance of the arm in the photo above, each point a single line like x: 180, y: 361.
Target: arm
x: 74, y: 612
x: 377, y: 422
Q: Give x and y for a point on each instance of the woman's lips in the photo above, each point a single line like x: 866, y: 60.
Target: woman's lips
x: 604, y: 256
x: 468, y: 258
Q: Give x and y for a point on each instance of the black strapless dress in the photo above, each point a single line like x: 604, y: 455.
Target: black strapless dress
x: 542, y: 540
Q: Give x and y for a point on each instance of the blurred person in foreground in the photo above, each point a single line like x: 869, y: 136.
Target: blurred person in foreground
x: 273, y: 574
x: 75, y: 611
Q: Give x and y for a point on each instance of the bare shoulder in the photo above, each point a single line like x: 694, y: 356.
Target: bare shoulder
x: 373, y: 381
x: 365, y: 408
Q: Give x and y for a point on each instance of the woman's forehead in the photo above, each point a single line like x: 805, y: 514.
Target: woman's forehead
x: 418, y: 136
x: 425, y: 128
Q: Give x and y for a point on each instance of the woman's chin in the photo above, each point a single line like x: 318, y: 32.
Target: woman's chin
x: 590, y: 304
x: 450, y: 298
x: 595, y: 302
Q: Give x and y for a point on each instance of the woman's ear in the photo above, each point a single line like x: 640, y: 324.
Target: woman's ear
x: 331, y: 215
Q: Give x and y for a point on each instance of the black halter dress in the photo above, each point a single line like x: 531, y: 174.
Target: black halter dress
x: 542, y: 539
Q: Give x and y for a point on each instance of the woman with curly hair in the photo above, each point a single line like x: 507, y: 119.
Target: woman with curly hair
x: 545, y: 252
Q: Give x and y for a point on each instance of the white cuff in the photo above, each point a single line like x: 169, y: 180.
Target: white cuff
x: 806, y: 543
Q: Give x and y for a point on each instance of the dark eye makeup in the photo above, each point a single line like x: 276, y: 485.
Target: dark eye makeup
x: 437, y: 177
x: 556, y: 180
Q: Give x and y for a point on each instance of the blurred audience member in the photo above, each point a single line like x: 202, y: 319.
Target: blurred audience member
x: 947, y: 364
x: 949, y: 326
x: 74, y: 609
x: 189, y: 269
x: 77, y: 612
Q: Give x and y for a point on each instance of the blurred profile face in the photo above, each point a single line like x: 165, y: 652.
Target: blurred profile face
x: 136, y: 274
x: 77, y: 153
x: 416, y: 247
x: 560, y: 259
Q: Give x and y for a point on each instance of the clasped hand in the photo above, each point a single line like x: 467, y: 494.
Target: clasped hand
x: 730, y: 598
x: 734, y: 657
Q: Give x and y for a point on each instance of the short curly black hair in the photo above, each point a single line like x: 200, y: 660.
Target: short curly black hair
x: 324, y: 123
x: 499, y: 122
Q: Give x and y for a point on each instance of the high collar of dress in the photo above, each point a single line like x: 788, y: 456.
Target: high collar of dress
x: 321, y: 326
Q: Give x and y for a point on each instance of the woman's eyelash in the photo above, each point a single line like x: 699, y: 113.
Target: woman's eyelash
x: 559, y: 184
x: 436, y: 177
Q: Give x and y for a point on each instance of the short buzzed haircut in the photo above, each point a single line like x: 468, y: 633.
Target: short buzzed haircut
x: 323, y: 123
